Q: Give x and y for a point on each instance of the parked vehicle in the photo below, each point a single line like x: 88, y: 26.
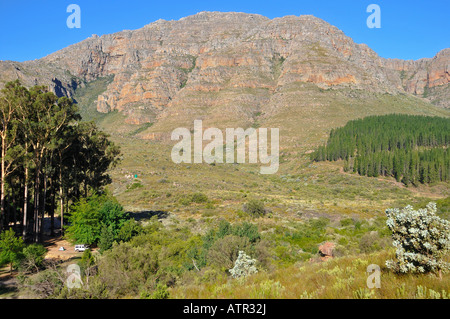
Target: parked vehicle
x: 81, y: 248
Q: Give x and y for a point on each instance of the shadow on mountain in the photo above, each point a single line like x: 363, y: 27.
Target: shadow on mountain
x: 147, y: 214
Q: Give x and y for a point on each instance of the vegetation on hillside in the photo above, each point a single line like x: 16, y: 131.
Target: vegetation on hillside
x: 413, y: 149
x: 259, y: 259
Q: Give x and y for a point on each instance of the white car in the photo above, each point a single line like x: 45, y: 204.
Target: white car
x: 80, y: 248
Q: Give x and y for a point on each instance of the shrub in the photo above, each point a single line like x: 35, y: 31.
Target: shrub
x: 10, y: 248
x: 247, y: 230
x: 161, y: 292
x: 371, y: 242
x: 125, y: 269
x: 346, y: 222
x: 130, y: 229
x: 242, y: 230
x: 106, y: 238
x: 185, y: 201
x: 199, y: 198
x: 95, y: 290
x: 46, y: 283
x: 90, y: 214
x: 87, y: 259
x: 244, y: 266
x: 254, y: 208
x: 267, y: 289
x: 133, y: 186
x: 224, y: 229
x: 224, y: 252
x: 209, y: 205
x: 32, y: 257
x: 421, y: 238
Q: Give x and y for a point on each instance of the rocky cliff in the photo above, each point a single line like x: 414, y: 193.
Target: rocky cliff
x: 227, y: 66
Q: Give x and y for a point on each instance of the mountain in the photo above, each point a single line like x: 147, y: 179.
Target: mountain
x: 236, y: 69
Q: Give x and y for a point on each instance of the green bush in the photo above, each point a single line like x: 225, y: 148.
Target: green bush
x: 346, y: 222
x: 106, y: 238
x: 254, y: 207
x: 89, y: 215
x: 371, y: 242
x: 247, y: 230
x: 47, y: 283
x: 125, y: 269
x: 224, y: 252
x: 133, y: 186
x: 87, y: 259
x: 197, y: 198
x: 130, y: 229
x: 32, y: 257
x: 161, y: 292
x: 185, y: 201
x: 10, y: 248
x: 241, y: 230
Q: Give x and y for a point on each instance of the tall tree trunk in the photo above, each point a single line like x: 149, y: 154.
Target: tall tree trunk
x: 52, y: 213
x: 15, y: 212
x: 36, y: 205
x: 43, y: 209
x: 61, y: 199
x: 2, y: 187
x: 25, y: 205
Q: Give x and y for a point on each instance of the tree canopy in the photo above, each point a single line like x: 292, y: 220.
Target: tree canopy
x: 91, y: 217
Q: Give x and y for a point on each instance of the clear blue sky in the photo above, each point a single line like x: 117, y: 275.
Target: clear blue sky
x: 31, y: 29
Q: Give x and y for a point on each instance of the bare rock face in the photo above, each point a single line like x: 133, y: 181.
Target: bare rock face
x: 326, y: 250
x: 227, y: 65
x: 425, y: 77
x: 36, y: 72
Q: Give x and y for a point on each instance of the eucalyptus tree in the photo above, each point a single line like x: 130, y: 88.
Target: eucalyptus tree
x: 43, y: 120
x: 98, y: 154
x: 13, y: 96
x: 47, y: 154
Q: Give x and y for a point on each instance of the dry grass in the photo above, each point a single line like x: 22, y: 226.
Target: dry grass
x: 339, y: 278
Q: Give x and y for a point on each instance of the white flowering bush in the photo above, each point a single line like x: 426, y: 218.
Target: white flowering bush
x: 421, y: 239
x: 243, y: 266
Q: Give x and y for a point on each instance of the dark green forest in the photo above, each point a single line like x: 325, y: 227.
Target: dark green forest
x: 411, y: 148
x: 49, y: 158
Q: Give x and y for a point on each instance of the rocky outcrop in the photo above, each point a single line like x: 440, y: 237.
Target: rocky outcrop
x: 169, y: 69
x: 425, y: 77
x: 326, y: 250
x: 30, y: 73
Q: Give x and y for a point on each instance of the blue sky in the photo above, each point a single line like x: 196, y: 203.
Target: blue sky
x: 31, y: 29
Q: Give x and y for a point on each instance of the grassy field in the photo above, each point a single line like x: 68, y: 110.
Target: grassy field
x: 340, y: 278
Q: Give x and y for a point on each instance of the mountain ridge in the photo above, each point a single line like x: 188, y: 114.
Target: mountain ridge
x: 236, y: 64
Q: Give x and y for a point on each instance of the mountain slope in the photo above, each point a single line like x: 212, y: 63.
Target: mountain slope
x: 236, y: 69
